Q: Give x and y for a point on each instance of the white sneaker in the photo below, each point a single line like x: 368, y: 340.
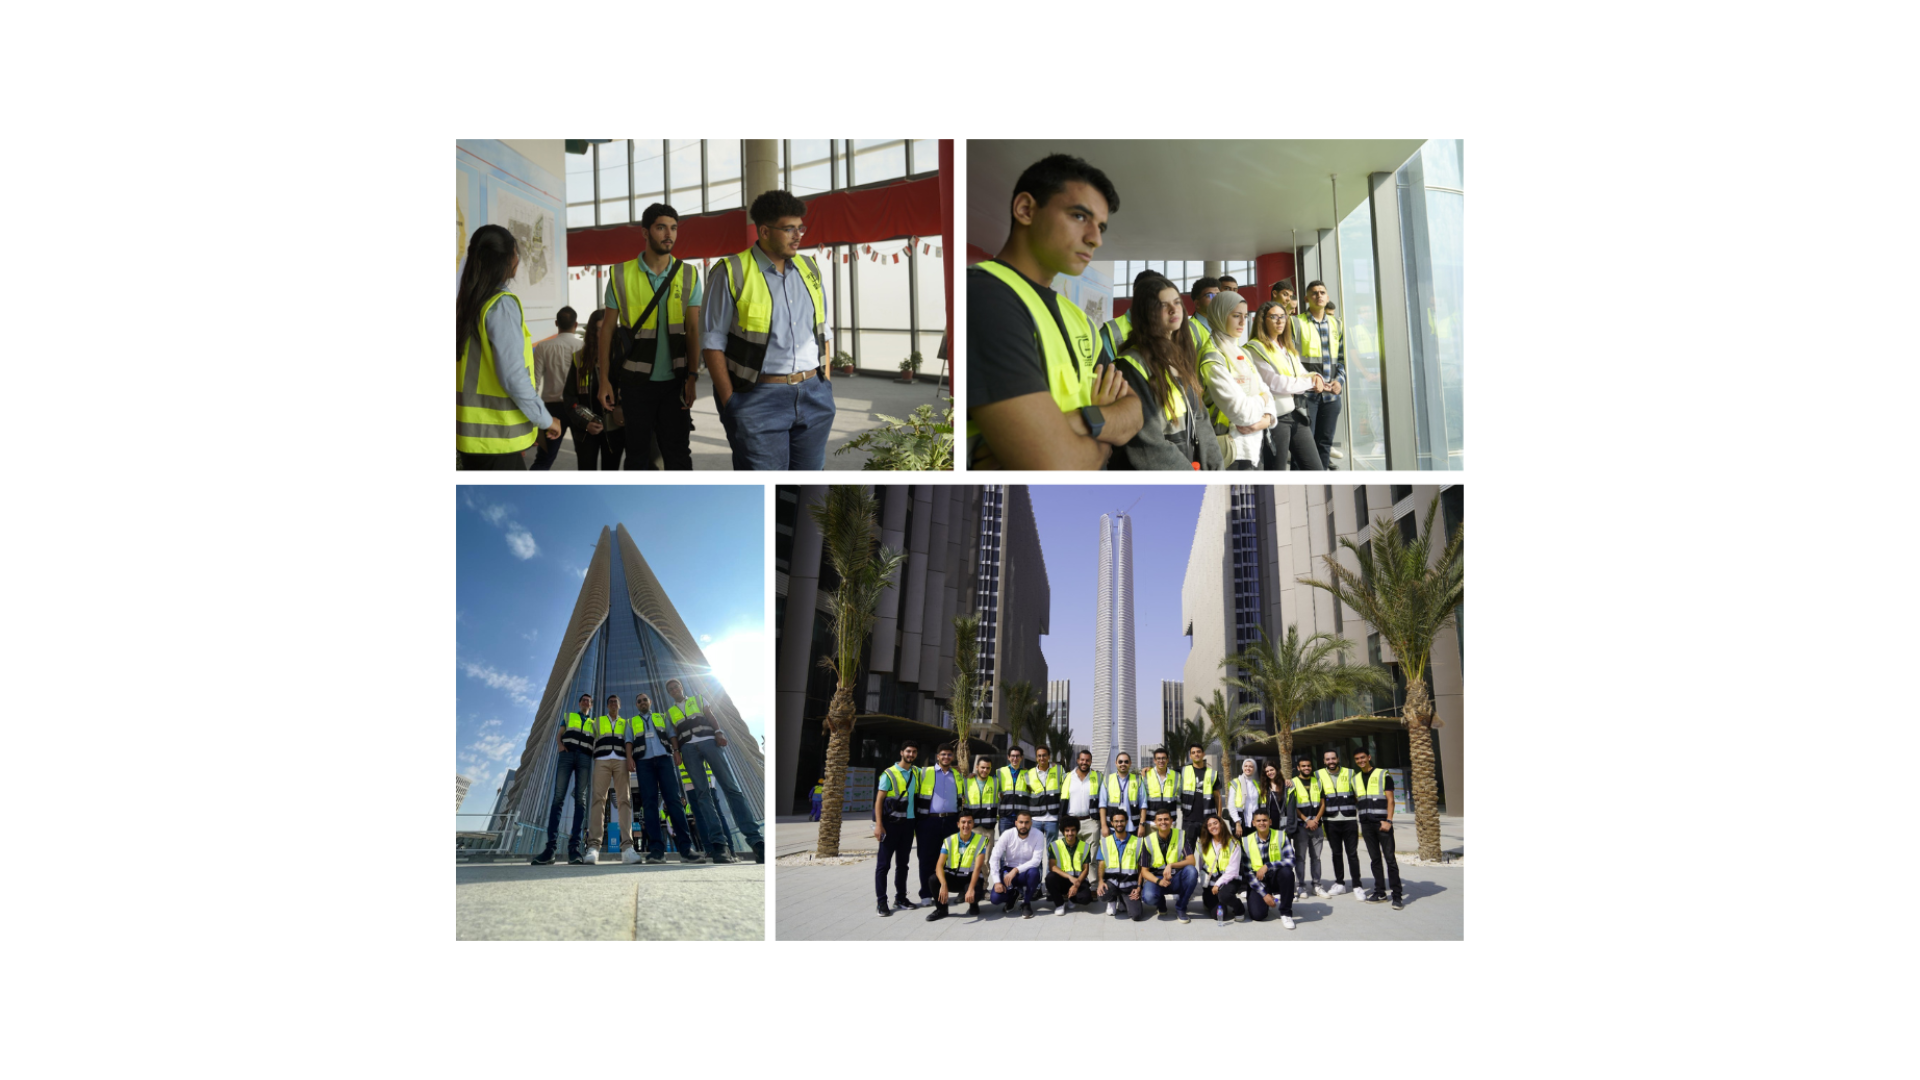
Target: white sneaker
x: 1335, y: 453
x: 1286, y: 921
x: 1112, y: 906
x: 631, y: 855
x: 1061, y: 910
x: 593, y: 856
x: 1360, y: 894
x: 1321, y: 893
x: 1337, y: 889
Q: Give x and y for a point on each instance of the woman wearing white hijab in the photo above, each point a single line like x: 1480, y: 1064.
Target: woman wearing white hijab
x: 1243, y: 406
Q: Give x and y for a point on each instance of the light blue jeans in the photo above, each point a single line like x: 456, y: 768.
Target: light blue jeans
x: 698, y: 754
x: 778, y: 426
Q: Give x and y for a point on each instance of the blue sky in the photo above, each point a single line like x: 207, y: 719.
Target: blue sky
x: 1069, y: 523
x: 522, y: 551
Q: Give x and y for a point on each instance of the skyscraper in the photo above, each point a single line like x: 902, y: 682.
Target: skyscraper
x: 624, y: 638
x: 1114, y: 722
x: 460, y: 785
x: 1173, y: 705
x: 1060, y: 703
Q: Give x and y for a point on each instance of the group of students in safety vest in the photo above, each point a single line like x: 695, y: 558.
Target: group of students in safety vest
x: 649, y: 754
x: 1132, y: 841
x: 643, y: 350
x: 1217, y: 386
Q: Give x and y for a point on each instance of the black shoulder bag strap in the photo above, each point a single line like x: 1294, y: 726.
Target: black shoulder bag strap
x: 673, y: 267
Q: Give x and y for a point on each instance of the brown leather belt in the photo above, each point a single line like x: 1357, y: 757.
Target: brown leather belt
x: 796, y: 377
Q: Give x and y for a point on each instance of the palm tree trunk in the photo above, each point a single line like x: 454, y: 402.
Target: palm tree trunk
x: 1426, y: 801
x: 839, y: 747
x: 1284, y: 743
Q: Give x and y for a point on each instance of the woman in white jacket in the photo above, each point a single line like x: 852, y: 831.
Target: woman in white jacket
x: 1237, y: 394
x: 1271, y: 345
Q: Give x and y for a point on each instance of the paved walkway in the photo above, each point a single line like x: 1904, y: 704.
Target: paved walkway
x: 858, y: 402
x: 821, y: 902
x: 610, y: 902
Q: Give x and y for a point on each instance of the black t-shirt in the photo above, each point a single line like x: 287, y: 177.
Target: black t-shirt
x: 1003, y: 358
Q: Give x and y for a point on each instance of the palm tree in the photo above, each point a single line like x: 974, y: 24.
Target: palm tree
x: 1016, y: 707
x: 848, y: 521
x: 966, y: 656
x: 1293, y: 675
x: 1224, y: 723
x: 1059, y: 742
x: 1183, y: 734
x: 1409, y: 595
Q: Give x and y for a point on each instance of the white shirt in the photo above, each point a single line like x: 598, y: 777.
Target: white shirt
x: 1080, y: 794
x: 1010, y: 852
x: 553, y: 363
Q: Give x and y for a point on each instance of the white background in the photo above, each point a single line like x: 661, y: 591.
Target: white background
x: 231, y: 571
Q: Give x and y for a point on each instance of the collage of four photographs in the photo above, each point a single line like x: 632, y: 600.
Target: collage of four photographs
x: 671, y: 690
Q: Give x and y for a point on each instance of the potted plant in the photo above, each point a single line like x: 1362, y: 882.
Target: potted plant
x: 910, y: 366
x: 843, y: 363
x: 919, y: 443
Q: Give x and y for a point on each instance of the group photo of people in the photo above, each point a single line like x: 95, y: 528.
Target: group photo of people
x: 694, y: 304
x: 1089, y: 348
x: 1159, y: 843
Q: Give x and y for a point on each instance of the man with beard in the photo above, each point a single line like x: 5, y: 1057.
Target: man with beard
x: 764, y: 332
x: 657, y: 298
x: 1019, y: 864
x: 1123, y: 792
x: 893, y: 807
x: 958, y: 870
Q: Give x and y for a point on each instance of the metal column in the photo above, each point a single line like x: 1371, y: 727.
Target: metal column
x: 1390, y: 293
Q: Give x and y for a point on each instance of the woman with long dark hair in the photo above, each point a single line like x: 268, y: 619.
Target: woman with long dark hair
x: 1278, y: 362
x: 1218, y: 855
x: 590, y: 440
x: 1234, y: 387
x: 497, y: 413
x: 1157, y: 359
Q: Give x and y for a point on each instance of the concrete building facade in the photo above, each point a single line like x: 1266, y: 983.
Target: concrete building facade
x: 970, y: 548
x: 1173, y: 707
x: 1115, y: 717
x: 1251, y: 546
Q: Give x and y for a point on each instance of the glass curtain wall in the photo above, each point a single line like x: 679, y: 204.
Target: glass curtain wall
x: 1182, y: 272
x: 1365, y: 407
x: 885, y: 301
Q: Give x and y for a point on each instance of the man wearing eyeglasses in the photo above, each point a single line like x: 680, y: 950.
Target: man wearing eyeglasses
x: 764, y: 333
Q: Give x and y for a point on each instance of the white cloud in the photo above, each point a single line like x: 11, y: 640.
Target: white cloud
x: 531, y: 634
x: 491, y: 723
x: 517, y: 687
x: 500, y: 516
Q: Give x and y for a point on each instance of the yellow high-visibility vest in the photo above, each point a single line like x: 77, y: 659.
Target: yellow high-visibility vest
x: 486, y: 421
x: 1069, y: 360
x: 752, y: 324
x: 634, y: 290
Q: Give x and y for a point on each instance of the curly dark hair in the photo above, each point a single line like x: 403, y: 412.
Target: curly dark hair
x: 774, y: 205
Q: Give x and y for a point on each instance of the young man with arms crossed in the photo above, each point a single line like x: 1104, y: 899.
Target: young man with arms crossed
x: 1036, y: 398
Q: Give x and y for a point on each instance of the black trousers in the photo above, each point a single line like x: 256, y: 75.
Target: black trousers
x: 1275, y: 884
x: 1344, y: 837
x: 599, y: 451
x: 654, y: 416
x: 897, y: 845
x: 1117, y: 891
x: 957, y: 886
x: 1378, y: 842
x: 1228, y: 897
x: 1057, y: 890
x: 495, y: 462
x: 1293, y: 437
x: 932, y: 830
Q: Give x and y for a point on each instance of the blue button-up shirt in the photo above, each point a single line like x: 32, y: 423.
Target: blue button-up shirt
x: 790, y: 344
x: 946, y: 793
x: 1131, y: 805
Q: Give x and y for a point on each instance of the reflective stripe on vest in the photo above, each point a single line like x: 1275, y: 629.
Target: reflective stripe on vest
x: 635, y: 291
x: 485, y: 419
x: 1306, y: 795
x: 1113, y: 334
x: 577, y: 734
x: 1216, y: 856
x: 961, y: 859
x: 1338, y: 791
x: 752, y: 325
x: 1159, y: 858
x: 923, y: 790
x: 1276, y: 842
x: 1071, y: 861
x: 1372, y: 794
x: 1069, y: 364
x: 1122, y: 860
x: 695, y: 722
x: 1133, y: 790
x: 1012, y: 799
x: 1043, y: 796
x: 610, y: 733
x: 1186, y: 780
x: 1162, y: 792
x: 898, y: 803
x: 981, y: 796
